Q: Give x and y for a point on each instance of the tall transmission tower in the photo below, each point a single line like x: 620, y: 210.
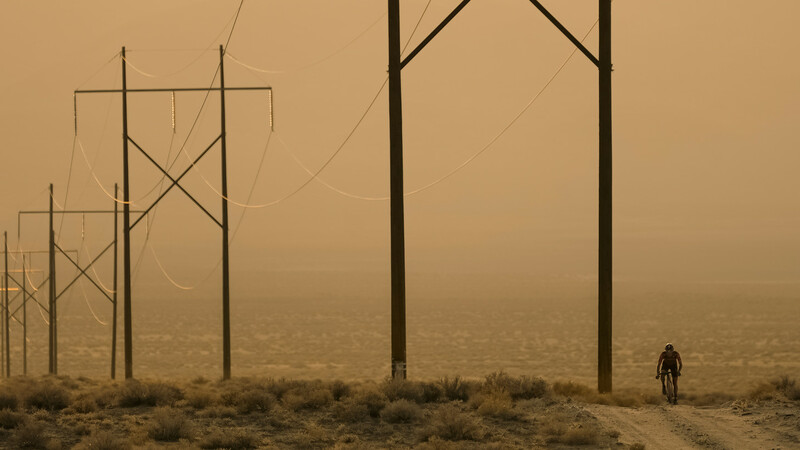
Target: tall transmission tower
x: 603, y: 63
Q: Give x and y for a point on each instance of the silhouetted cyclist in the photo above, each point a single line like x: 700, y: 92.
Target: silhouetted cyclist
x: 670, y: 360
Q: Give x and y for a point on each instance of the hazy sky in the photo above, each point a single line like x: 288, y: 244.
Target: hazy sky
x: 706, y: 113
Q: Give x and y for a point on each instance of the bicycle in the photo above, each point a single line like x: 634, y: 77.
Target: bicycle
x: 671, y: 397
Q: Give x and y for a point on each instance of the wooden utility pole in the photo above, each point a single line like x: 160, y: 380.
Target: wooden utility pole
x: 605, y: 273
x: 24, y: 319
x: 126, y: 229
x: 7, y: 334
x: 398, y: 265
x: 226, y: 290
x: 114, y: 312
x: 53, y: 369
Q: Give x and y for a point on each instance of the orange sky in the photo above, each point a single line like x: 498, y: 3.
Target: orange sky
x: 706, y: 107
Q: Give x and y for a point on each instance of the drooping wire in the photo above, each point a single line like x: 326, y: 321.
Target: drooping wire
x: 86, y: 298
x: 85, y: 248
x: 55, y: 202
x: 320, y: 180
x: 416, y: 27
x: 69, y: 181
x: 94, y: 175
x: 164, y: 271
x: 209, y: 48
x: 112, y: 59
x: 503, y: 131
x: 467, y: 161
x: 312, y: 64
x: 313, y: 176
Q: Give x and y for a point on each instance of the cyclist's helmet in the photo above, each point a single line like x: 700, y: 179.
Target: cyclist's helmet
x: 669, y: 347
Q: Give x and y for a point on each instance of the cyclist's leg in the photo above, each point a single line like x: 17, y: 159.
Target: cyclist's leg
x: 675, y: 383
x: 663, y: 385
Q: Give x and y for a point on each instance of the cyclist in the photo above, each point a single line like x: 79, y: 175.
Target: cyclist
x: 670, y: 360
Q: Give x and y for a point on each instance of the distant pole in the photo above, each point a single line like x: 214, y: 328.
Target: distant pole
x: 52, y: 285
x: 126, y: 228
x: 604, y: 375
x: 5, y: 301
x: 226, y: 298
x: 24, y: 319
x: 398, y: 264
x: 2, y: 336
x: 114, y: 313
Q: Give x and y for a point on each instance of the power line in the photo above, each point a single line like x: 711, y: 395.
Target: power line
x: 312, y: 64
x: 460, y: 166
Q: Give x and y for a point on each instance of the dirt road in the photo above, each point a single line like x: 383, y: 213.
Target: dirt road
x: 731, y: 427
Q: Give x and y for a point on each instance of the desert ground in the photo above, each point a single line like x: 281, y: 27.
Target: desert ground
x: 497, y: 411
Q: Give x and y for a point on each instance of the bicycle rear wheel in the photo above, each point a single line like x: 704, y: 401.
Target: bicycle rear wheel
x: 670, y: 388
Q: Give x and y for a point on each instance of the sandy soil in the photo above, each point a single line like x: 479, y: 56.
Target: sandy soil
x: 737, y: 426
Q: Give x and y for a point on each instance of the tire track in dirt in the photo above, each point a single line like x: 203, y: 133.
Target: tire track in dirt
x: 675, y: 427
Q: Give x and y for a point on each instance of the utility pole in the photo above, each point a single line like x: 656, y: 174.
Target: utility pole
x: 114, y: 313
x: 7, y: 334
x: 605, y: 263
x: 51, y: 309
x: 226, y: 290
x: 126, y: 228
x: 398, y: 264
x: 24, y: 319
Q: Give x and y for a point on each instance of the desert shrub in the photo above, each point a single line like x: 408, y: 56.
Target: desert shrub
x: 200, y: 380
x: 169, y: 424
x: 454, y: 388
x: 787, y: 386
x: 8, y: 401
x: 103, y: 440
x: 83, y: 405
x: 792, y: 393
x: 10, y: 419
x: 231, y: 439
x: 307, y: 398
x: 200, y: 399
x: 763, y: 391
x: 339, y: 390
x: 30, y: 435
x: 553, y: 427
x: 431, y: 392
x: 580, y: 436
x: 784, y: 383
x: 350, y: 410
x: 401, y: 411
x: 136, y: 393
x: 373, y: 399
x: 572, y: 389
x: 522, y: 387
x: 397, y: 388
x: 281, y: 386
x: 47, y: 396
x: 250, y: 400
x: 495, y: 404
x: 164, y: 394
x: 451, y: 424
x: 218, y: 412
x: 68, y: 383
x: 104, y: 396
